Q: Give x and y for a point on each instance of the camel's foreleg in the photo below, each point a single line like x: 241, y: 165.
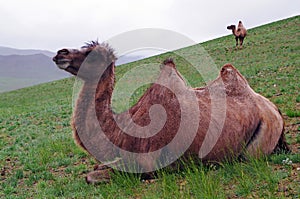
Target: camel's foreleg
x: 102, y: 172
x: 236, y: 41
x: 99, y: 176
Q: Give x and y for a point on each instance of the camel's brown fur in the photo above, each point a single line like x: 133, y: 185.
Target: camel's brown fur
x: 252, y: 125
x: 240, y: 33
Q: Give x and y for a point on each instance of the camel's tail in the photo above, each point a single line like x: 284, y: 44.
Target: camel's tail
x: 282, y: 145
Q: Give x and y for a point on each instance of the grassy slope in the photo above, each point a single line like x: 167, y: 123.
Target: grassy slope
x: 38, y: 157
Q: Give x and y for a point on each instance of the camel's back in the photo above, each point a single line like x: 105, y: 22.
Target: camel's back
x: 251, y: 121
x: 241, y: 29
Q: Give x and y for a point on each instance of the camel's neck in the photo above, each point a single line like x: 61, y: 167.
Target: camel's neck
x: 95, y: 98
x: 234, y: 32
x: 94, y: 114
x: 103, y: 96
x: 105, y: 86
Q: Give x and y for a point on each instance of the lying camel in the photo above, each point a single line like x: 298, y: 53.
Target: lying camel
x: 240, y: 33
x: 251, y: 124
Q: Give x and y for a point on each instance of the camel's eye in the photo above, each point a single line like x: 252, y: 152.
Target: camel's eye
x: 63, y: 52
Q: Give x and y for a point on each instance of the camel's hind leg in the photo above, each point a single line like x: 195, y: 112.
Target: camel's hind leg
x: 241, y: 42
x: 269, y: 132
x: 268, y: 137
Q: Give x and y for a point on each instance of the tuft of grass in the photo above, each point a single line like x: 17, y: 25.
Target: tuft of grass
x: 298, y: 99
x: 293, y: 113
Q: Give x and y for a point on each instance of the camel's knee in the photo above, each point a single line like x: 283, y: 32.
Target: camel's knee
x: 99, y: 176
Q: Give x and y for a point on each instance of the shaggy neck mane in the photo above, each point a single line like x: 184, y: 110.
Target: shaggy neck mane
x: 106, y: 119
x: 234, y: 31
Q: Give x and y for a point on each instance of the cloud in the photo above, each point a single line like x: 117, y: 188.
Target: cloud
x: 53, y: 24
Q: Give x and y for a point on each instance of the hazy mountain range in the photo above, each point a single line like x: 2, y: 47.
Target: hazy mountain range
x: 21, y: 68
x: 14, y: 51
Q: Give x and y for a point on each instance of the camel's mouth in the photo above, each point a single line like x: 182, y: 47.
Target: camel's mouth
x: 62, y: 63
x: 65, y: 64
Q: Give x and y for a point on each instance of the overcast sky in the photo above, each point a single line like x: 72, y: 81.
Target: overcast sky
x: 52, y: 24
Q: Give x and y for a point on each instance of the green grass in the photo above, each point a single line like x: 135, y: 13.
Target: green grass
x: 38, y: 157
x: 11, y: 83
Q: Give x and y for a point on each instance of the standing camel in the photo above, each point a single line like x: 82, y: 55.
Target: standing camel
x: 252, y: 124
x: 240, y: 33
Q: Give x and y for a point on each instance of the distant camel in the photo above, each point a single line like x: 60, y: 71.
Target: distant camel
x: 252, y: 124
x: 240, y: 33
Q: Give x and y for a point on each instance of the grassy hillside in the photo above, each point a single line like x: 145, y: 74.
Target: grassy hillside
x: 38, y: 158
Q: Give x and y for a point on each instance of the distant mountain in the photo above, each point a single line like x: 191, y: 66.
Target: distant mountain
x: 13, y: 51
x: 19, y: 71
x: 21, y: 68
x: 28, y: 66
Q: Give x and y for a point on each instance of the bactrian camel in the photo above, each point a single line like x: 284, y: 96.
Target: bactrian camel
x: 240, y: 33
x: 252, y: 125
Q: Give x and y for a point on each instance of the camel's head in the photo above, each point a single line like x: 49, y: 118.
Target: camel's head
x: 231, y: 27
x: 91, y: 56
